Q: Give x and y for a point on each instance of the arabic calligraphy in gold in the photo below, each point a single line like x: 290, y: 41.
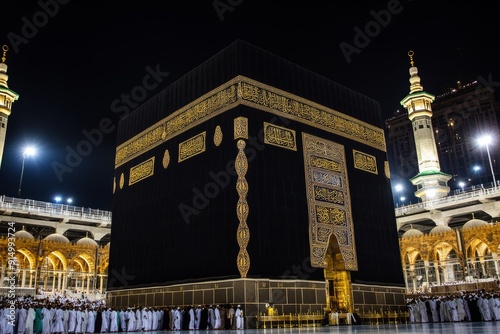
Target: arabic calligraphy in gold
x: 193, y: 146
x: 279, y: 136
x: 141, y: 171
x: 365, y: 162
x: 244, y: 91
x: 328, y: 200
x: 241, y: 128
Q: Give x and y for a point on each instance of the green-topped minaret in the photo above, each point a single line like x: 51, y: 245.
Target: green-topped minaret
x: 430, y: 181
x: 7, y: 97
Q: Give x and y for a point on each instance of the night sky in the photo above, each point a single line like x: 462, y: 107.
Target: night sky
x: 74, y: 63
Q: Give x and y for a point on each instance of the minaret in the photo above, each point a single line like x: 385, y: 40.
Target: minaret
x: 7, y: 96
x: 430, y: 181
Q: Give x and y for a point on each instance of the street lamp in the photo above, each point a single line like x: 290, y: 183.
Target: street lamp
x: 28, y: 151
x: 59, y: 200
x: 486, y: 141
x: 461, y: 184
x: 398, y: 188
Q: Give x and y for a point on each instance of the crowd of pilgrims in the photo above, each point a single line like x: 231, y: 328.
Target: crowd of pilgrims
x: 59, y: 315
x: 467, y: 306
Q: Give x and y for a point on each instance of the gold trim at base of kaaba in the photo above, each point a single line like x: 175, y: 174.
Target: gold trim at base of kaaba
x: 291, y: 320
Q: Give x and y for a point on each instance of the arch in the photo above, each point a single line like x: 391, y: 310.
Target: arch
x: 103, y: 267
x: 56, y: 265
x: 29, y: 256
x: 338, y: 279
x: 414, y: 268
x: 410, y: 255
x: 59, y: 256
x: 78, y: 264
x: 480, y: 259
x: 441, y: 249
x: 53, y: 261
x: 89, y: 261
x: 447, y: 262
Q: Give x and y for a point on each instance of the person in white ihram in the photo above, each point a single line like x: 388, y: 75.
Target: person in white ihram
x: 240, y: 321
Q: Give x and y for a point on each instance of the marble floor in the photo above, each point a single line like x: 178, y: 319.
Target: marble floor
x: 438, y: 328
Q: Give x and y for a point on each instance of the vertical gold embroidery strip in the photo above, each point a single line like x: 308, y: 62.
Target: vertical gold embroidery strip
x: 242, y: 233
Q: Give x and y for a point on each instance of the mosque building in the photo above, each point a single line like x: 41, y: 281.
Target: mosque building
x: 50, y: 261
x: 256, y: 182
x: 445, y: 246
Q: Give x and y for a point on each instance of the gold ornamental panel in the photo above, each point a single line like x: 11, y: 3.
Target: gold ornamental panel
x: 325, y: 194
x: 141, y: 171
x: 280, y: 136
x: 333, y: 216
x: 324, y: 177
x: 261, y: 96
x: 243, y: 235
x: 325, y: 163
x: 245, y: 91
x: 328, y: 200
x: 218, y: 135
x: 166, y: 159
x: 207, y: 106
x: 192, y: 146
x: 241, y: 128
x: 241, y: 162
x: 365, y: 162
x: 243, y: 261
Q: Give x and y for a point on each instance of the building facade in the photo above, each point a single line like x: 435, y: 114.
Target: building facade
x: 460, y: 117
x: 48, y: 246
x: 451, y: 242
x: 447, y: 260
x: 53, y: 248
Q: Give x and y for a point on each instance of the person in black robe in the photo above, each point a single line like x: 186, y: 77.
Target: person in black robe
x: 438, y: 308
x: 166, y: 319
x: 185, y: 318
x: 227, y: 323
x: 204, y: 317
x: 473, y: 308
x: 98, y: 321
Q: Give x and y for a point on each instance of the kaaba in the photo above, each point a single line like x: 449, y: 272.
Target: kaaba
x: 255, y: 181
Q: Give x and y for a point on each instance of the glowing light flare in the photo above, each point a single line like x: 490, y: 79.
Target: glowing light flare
x: 486, y: 140
x: 29, y: 151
